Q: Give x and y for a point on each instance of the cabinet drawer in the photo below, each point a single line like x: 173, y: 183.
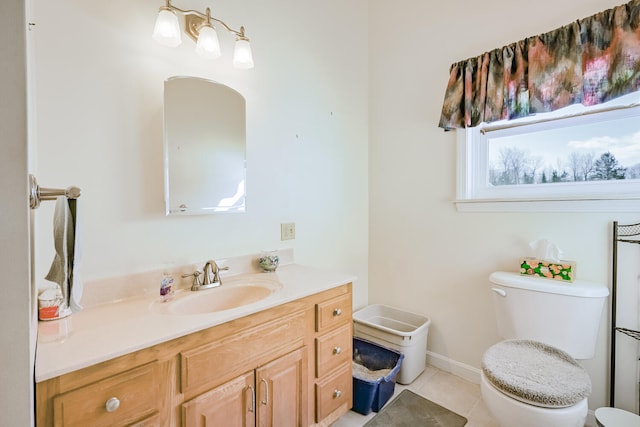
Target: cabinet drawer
x: 212, y: 364
x: 334, y: 391
x: 133, y: 396
x: 333, y: 349
x: 333, y: 312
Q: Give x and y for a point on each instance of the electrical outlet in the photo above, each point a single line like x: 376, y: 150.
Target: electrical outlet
x: 287, y: 231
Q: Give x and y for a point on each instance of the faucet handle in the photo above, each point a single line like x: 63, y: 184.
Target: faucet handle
x: 197, y: 281
x: 216, y: 275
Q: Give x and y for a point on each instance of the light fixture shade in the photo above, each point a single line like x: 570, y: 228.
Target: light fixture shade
x: 242, y: 57
x: 167, y: 29
x: 208, y: 46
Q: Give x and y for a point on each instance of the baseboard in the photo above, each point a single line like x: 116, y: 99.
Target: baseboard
x: 472, y: 374
x: 454, y: 367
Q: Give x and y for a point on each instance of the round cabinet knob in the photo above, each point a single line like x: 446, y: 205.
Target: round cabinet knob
x: 337, y: 393
x: 112, y: 404
x: 337, y: 350
x: 337, y: 311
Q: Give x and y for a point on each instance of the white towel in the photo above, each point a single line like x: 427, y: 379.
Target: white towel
x: 65, y: 268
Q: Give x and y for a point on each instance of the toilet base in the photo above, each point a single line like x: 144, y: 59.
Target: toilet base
x: 509, y: 412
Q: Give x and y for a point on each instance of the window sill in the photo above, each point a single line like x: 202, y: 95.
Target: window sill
x: 549, y: 205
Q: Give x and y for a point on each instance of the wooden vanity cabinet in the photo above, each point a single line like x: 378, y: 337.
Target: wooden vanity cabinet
x: 285, y: 366
x: 272, y: 395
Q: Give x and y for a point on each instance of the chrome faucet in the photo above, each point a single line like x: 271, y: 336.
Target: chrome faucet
x: 211, y: 273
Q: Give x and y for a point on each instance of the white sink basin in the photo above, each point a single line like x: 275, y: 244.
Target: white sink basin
x: 233, y: 293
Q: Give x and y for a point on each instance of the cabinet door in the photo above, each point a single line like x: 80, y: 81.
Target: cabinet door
x: 230, y: 405
x: 282, y: 392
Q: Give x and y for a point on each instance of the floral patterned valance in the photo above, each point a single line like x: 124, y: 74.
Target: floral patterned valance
x: 589, y: 61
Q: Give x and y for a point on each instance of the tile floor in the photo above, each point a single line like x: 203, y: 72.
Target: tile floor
x: 452, y: 392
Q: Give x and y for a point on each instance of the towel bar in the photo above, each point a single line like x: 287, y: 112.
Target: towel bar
x: 37, y: 193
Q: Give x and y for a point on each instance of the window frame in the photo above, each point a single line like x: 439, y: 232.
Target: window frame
x: 474, y: 194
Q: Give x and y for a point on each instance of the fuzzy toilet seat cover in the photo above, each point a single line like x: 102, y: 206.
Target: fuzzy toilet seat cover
x: 536, y: 373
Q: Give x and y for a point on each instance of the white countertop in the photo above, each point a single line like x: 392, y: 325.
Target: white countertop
x: 99, y: 333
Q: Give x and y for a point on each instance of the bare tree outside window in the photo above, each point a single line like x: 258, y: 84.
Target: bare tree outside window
x: 559, y: 155
x: 573, y: 158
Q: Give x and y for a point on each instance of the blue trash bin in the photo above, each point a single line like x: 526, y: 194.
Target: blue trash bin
x: 371, y: 395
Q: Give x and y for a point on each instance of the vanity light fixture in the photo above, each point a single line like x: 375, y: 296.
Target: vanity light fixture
x: 199, y: 27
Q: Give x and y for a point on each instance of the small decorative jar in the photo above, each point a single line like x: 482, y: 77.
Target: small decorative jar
x: 268, y: 261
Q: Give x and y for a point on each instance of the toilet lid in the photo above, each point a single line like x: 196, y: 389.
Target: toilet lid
x: 614, y: 417
x: 536, y: 373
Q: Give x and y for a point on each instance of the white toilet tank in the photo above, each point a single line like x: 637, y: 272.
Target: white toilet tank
x: 562, y: 314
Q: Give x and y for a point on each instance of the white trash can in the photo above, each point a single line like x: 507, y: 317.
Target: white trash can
x: 399, y: 330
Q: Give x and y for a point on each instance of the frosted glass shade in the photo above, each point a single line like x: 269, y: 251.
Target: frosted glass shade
x: 242, y: 57
x: 167, y: 29
x: 208, y: 46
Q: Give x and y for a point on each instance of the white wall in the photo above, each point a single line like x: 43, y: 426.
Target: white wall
x: 98, y: 91
x: 16, y: 312
x: 425, y: 256
x: 99, y: 82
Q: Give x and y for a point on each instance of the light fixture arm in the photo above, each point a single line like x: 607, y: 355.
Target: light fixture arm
x: 194, y: 19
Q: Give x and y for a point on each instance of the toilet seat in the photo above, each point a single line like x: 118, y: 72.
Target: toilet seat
x: 536, y: 373
x: 614, y: 417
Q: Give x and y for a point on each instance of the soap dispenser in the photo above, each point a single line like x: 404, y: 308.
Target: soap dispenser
x: 166, y: 286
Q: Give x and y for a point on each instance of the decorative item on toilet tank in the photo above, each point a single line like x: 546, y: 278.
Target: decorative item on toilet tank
x: 546, y: 262
x: 565, y: 270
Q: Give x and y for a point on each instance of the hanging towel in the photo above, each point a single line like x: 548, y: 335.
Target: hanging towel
x: 65, y: 268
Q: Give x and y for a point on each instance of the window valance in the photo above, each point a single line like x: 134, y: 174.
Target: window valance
x: 589, y: 61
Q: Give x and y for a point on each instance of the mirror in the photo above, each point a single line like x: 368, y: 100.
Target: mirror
x: 204, y: 147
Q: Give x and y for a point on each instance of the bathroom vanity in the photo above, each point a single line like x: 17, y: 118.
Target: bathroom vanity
x: 284, y: 361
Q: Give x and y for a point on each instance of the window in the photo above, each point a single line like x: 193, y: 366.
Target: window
x: 573, y: 159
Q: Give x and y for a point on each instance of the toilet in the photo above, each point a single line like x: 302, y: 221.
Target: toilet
x: 532, y: 378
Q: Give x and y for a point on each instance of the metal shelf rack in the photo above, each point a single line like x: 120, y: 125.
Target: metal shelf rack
x: 622, y: 233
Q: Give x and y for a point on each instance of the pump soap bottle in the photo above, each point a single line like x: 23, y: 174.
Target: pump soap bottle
x: 166, y: 286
